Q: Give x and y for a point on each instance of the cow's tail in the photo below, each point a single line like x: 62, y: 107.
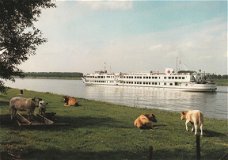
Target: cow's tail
x: 200, y: 118
x: 11, y: 111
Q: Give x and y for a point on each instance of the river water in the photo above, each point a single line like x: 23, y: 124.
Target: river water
x: 213, y: 105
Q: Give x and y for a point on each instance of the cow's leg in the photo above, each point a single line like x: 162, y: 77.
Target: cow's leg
x: 29, y: 115
x: 13, y: 113
x: 186, y: 125
x: 192, y: 126
x: 201, y: 129
x: 149, y: 125
x: 196, y: 126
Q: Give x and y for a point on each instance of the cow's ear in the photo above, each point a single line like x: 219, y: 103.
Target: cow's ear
x: 183, y: 113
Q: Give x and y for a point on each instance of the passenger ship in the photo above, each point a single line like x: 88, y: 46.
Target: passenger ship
x: 182, y: 80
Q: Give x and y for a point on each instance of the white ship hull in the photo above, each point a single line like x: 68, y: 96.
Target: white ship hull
x: 196, y: 88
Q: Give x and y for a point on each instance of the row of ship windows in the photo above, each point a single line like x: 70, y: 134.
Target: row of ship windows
x: 150, y: 83
x: 103, y: 81
x: 138, y: 77
x: 100, y: 77
x: 144, y: 83
x: 147, y: 83
x: 146, y: 77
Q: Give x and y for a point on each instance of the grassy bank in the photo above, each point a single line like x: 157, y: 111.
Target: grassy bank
x: 221, y: 82
x: 104, y: 131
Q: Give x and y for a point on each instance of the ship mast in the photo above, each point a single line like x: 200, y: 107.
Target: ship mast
x: 178, y: 62
x: 104, y: 66
x: 177, y: 66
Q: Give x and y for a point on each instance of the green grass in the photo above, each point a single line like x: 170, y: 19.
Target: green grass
x: 104, y: 131
x: 221, y: 82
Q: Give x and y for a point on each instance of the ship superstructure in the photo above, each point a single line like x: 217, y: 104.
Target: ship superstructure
x: 182, y: 80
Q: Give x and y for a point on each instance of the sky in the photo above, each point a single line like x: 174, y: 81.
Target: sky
x: 132, y: 36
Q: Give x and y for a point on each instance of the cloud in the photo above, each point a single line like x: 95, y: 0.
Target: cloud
x: 76, y: 44
x: 199, y: 47
x: 107, y: 4
x: 155, y: 47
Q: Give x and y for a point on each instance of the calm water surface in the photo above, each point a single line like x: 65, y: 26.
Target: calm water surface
x: 211, y: 104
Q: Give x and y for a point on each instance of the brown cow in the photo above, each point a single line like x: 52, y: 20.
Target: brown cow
x: 70, y: 101
x: 195, y: 117
x: 144, y: 121
x: 23, y: 104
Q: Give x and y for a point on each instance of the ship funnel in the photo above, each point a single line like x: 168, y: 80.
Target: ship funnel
x: 169, y: 71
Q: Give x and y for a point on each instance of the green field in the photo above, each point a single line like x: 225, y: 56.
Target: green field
x: 221, y: 82
x: 104, y: 131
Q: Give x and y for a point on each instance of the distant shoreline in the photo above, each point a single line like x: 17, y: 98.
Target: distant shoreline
x: 53, y: 75
x: 65, y: 78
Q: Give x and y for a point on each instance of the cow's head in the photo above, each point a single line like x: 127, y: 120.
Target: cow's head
x: 183, y: 115
x: 151, y: 117
x: 66, y: 99
x: 42, y: 107
x: 36, y: 100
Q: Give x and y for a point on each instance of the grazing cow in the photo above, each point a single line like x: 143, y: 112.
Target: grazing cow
x: 23, y: 104
x: 195, y: 117
x: 42, y: 107
x: 70, y: 101
x: 144, y: 121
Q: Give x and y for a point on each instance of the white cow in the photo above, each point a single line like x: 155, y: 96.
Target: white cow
x: 195, y: 117
x: 42, y: 107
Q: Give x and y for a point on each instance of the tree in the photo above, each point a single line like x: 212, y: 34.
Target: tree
x: 19, y: 37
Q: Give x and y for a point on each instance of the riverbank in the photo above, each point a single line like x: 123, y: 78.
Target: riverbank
x: 99, y: 130
x: 221, y: 82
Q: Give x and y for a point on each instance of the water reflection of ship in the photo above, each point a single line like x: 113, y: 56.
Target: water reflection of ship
x: 150, y: 97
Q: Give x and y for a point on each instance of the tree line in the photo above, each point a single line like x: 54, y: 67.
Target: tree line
x: 53, y: 74
x: 218, y: 76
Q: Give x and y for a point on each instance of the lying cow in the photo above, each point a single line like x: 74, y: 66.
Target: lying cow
x: 70, y: 101
x: 195, y: 117
x: 42, y: 107
x: 144, y: 121
x: 23, y: 104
